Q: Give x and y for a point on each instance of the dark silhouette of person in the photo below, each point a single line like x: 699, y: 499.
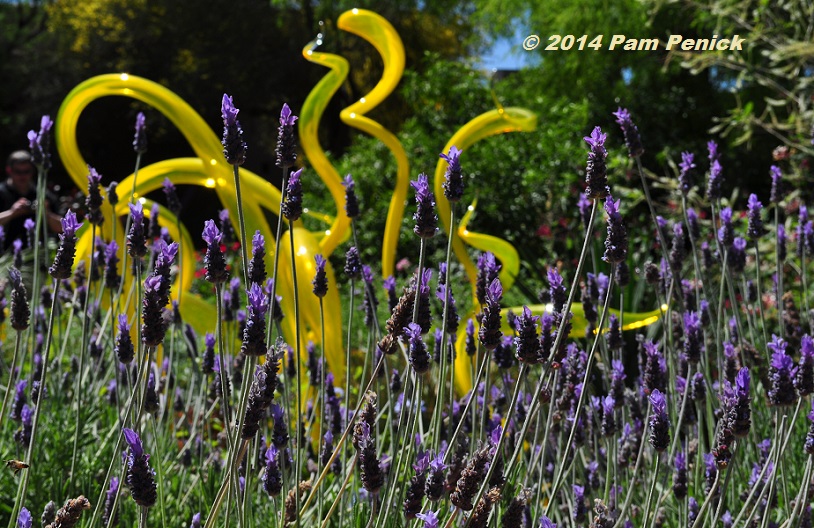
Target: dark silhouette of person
x: 18, y: 195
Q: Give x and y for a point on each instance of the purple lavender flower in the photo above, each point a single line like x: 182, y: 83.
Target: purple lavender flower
x: 584, y: 206
x: 655, y: 369
x: 453, y: 180
x: 286, y: 145
x: 526, y: 341
x: 659, y: 422
x: 173, y: 203
x: 140, y: 139
x: 20, y: 313
x: 153, y: 327
x: 292, y: 206
x: 351, y: 201
x: 677, y: 248
x: 196, y: 521
x: 488, y: 270
x: 24, y: 519
x: 417, y: 354
x: 389, y: 286
x: 782, y: 390
x: 430, y: 519
x: 686, y: 168
x: 596, y: 176
x: 804, y: 376
x: 234, y: 148
x: 809, y: 444
x: 372, y: 474
x: 136, y: 238
x: 353, y: 263
x: 272, y: 477
x: 580, y: 509
x: 261, y: 394
x: 112, y: 278
x: 19, y: 400
x: 39, y: 143
x: 426, y: 221
x: 781, y: 242
x: 740, y: 414
x: 214, y: 261
x: 777, y: 184
x: 63, y: 261
x: 608, y: 427
x: 632, y: 139
x: 490, y: 333
x: 755, y: 228
x: 94, y: 199
x: 257, y: 265
x: 434, y: 487
x: 254, y: 335
x: 110, y: 498
x: 680, y: 476
x: 616, y: 243
x: 452, y: 311
x: 693, y: 337
x: 124, y: 345
x: 545, y: 522
x: 556, y: 288
x: 715, y: 180
x: 139, y: 475
x: 726, y: 233
x: 320, y: 281
x: 736, y: 258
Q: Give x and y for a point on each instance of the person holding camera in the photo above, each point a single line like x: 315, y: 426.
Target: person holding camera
x: 18, y: 195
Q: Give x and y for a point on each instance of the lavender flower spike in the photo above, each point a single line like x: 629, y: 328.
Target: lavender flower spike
x: 596, y: 172
x: 426, y: 221
x: 430, y: 519
x: 63, y: 261
x: 94, y: 199
x: 616, y: 243
x: 139, y: 475
x: 214, y: 261
x: 234, y: 148
x: 320, y: 281
x: 24, y: 519
x: 140, y: 139
x: 417, y: 354
x: 286, y: 147
x: 686, y: 167
x: 631, y: 133
x: 453, y: 180
x: 777, y: 184
x: 351, y: 201
x: 715, y: 179
x: 659, y: 422
x: 257, y: 264
x: 292, y: 206
x: 490, y: 333
x: 755, y: 228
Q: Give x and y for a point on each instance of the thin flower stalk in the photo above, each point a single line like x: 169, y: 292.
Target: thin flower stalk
x: 12, y: 375
x: 83, y: 352
x: 23, y: 486
x: 583, y: 393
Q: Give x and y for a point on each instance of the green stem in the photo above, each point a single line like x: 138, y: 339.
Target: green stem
x: 83, y: 351
x: 243, y: 251
x: 20, y: 500
x: 12, y: 376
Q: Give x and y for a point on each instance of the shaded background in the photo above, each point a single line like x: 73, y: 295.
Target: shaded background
x: 751, y: 102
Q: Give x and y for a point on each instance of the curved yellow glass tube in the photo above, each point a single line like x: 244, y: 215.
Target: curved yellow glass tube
x: 383, y: 36
x: 630, y: 321
x: 308, y: 126
x: 209, y: 169
x: 500, y: 121
x: 504, y: 251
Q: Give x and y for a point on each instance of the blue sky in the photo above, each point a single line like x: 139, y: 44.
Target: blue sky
x: 507, y: 53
